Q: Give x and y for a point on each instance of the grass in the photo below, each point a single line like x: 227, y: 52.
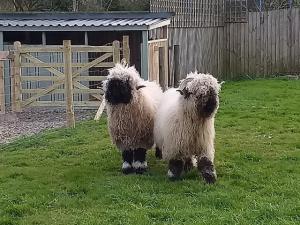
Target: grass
x: 73, y: 176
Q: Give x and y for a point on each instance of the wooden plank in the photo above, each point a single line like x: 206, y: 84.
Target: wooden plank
x: 40, y: 78
x: 84, y: 48
x: 278, y: 40
x: 269, y: 43
x: 273, y: 19
x: 242, y: 48
x: 100, y: 110
x: 257, y: 45
x: 2, y: 91
x: 246, y: 48
x: 90, y: 78
x: 116, y: 52
x: 265, y: 44
x: 252, y: 25
x: 285, y: 25
x: 69, y: 84
x: 62, y: 91
x: 41, y: 49
x: 144, y: 56
x: 74, y: 65
x: 296, y: 47
x: 93, y: 104
x: 75, y: 48
x: 126, y: 49
x: 17, y: 78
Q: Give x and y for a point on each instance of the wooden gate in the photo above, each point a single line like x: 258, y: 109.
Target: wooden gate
x: 66, y: 78
x: 158, y: 61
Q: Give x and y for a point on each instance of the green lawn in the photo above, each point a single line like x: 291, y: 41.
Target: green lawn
x: 73, y: 176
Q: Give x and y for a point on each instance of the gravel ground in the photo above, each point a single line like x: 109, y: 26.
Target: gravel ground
x: 33, y: 121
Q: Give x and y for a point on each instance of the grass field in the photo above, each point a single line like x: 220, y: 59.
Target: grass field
x: 73, y: 176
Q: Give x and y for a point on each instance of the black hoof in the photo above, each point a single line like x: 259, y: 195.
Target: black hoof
x: 209, y: 177
x: 127, y: 171
x: 140, y: 170
x: 158, y: 153
x: 207, y: 170
x: 172, y: 176
x: 175, y: 169
x: 127, y: 168
x: 140, y: 167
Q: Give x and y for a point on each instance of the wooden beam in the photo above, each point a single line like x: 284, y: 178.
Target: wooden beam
x: 116, y: 52
x: 44, y: 40
x: 144, y: 56
x: 62, y: 91
x: 2, y: 92
x: 41, y: 49
x: 86, y: 38
x: 69, y: 83
x: 17, y: 94
x: 126, y: 49
x: 1, y: 41
x: 100, y: 110
x: 56, y: 65
x: 89, y: 104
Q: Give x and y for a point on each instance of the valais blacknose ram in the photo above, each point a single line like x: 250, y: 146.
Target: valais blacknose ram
x: 184, y: 125
x: 131, y: 106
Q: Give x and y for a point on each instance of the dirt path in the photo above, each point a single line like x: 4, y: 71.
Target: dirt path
x: 33, y: 121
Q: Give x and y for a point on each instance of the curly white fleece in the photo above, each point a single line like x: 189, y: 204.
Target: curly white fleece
x: 179, y: 131
x: 131, y: 125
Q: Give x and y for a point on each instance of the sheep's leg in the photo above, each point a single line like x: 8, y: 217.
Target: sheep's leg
x: 175, y: 168
x: 207, y: 169
x: 158, y: 153
x: 139, y: 163
x: 127, y: 161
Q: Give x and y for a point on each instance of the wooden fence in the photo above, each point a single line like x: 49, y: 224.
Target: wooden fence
x: 2, y: 91
x: 67, y: 77
x: 158, y: 61
x: 267, y: 44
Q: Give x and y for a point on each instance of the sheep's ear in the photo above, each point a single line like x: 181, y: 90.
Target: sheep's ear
x: 140, y: 86
x: 180, y: 91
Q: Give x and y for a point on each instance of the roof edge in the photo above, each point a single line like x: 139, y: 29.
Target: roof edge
x: 86, y: 15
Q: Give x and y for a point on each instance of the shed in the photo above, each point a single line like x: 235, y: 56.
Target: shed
x: 84, y: 28
x: 96, y: 29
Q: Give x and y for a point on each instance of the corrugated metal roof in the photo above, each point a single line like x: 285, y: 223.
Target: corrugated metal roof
x: 71, y: 23
x: 53, y: 20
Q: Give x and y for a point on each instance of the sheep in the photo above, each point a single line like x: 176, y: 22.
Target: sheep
x: 131, y: 106
x: 184, y: 125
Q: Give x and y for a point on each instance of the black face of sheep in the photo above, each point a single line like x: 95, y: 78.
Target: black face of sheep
x: 202, y: 93
x: 207, y: 104
x: 118, y: 92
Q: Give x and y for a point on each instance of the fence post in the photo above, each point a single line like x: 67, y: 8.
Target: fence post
x: 126, y: 49
x: 16, y: 78
x: 176, y: 65
x: 2, y: 92
x: 116, y: 53
x: 68, y: 83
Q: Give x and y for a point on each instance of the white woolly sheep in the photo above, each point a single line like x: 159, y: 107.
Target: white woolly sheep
x: 131, y: 106
x: 184, y: 125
